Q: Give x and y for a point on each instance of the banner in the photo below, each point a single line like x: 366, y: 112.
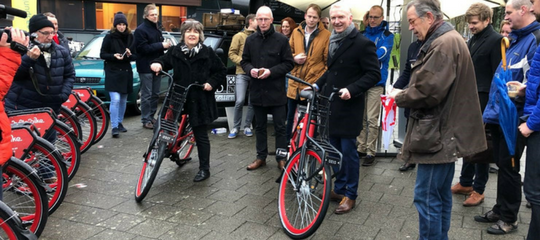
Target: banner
x: 29, y: 6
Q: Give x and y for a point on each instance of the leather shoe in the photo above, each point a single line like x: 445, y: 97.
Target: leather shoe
x: 474, y: 199
x: 256, y: 164
x: 459, y: 189
x: 407, y: 167
x: 345, y: 206
x: 202, y: 175
x: 336, y: 197
x: 281, y: 164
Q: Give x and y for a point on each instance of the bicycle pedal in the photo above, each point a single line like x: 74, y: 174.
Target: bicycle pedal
x: 281, y: 152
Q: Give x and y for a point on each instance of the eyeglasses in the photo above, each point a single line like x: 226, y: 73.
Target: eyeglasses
x: 263, y: 19
x: 374, y: 17
x: 190, y: 21
x: 47, y: 33
x: 412, y: 22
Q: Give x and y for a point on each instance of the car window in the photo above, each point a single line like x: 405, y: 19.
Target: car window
x: 211, y: 42
x: 92, y: 49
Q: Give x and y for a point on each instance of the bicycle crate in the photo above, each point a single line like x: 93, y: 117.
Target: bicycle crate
x: 172, y: 107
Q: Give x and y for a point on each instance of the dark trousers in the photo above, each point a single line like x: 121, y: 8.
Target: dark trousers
x: 346, y: 182
x: 534, y: 227
x: 509, y: 179
x: 203, y: 146
x: 475, y: 175
x: 291, y: 110
x: 261, y: 124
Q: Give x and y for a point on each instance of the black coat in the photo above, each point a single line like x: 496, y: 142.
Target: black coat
x: 149, y: 45
x: 354, y: 66
x: 205, y: 67
x: 118, y: 73
x: 485, y: 49
x: 267, y: 50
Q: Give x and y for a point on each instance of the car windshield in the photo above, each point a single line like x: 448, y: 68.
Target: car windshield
x: 92, y: 49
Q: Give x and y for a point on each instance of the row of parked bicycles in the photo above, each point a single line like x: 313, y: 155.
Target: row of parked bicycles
x: 47, y: 149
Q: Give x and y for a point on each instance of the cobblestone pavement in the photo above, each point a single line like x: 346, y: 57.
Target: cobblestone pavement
x: 235, y: 203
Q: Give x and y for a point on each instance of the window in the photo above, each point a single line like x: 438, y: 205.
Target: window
x: 105, y: 14
x: 172, y: 17
x: 69, y: 13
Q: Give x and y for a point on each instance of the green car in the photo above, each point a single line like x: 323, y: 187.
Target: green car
x: 89, y: 72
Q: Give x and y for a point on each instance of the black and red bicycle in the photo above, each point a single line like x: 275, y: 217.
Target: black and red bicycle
x: 173, y: 137
x: 304, y: 189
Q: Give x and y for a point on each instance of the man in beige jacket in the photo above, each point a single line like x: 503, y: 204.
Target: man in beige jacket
x: 242, y: 80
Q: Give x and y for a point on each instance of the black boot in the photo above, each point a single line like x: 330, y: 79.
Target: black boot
x: 202, y: 175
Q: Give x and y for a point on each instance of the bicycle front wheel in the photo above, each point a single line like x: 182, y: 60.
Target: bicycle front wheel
x: 304, y: 194
x: 153, y: 159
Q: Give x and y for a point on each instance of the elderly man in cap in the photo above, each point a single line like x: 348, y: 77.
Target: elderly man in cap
x: 46, y: 74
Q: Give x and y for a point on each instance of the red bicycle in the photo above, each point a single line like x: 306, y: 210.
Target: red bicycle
x: 304, y: 189
x: 173, y: 138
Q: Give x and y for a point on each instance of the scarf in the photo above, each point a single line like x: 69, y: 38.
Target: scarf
x: 335, y: 39
x: 191, y: 52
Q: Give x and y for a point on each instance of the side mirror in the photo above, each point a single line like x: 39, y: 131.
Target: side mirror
x: 220, y: 52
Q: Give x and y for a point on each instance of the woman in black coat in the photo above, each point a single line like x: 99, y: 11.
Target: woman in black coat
x: 118, y: 74
x: 193, y: 62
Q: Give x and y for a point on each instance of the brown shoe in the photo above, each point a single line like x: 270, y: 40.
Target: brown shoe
x: 148, y: 125
x: 345, y: 206
x: 256, y: 164
x: 458, y: 189
x: 336, y: 197
x: 281, y: 164
x: 474, y: 199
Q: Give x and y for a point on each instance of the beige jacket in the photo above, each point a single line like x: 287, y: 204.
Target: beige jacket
x: 237, y: 48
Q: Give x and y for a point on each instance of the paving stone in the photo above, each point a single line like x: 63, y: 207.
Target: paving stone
x: 184, y: 232
x: 224, y: 208
x: 96, y: 200
x: 195, y: 203
x: 132, y: 207
x: 111, y: 234
x: 225, y: 195
x: 222, y: 224
x: 255, y: 231
x: 152, y: 228
x: 190, y: 217
x: 64, y: 229
x: 122, y: 222
x: 253, y: 214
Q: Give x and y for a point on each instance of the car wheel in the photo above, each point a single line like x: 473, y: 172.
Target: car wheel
x: 136, y: 108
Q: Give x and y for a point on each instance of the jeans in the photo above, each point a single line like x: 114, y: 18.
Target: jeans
x: 478, y: 171
x: 203, y: 146
x: 367, y: 140
x: 531, y: 183
x: 150, y: 85
x: 433, y: 199
x: 261, y: 117
x: 508, y: 177
x: 346, y: 182
x: 242, y: 82
x: 534, y: 226
x: 291, y: 111
x: 117, y: 107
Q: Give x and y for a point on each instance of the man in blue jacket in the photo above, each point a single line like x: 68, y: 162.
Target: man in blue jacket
x: 525, y: 37
x: 150, y: 45
x: 46, y: 74
x: 377, y: 31
x: 531, y: 131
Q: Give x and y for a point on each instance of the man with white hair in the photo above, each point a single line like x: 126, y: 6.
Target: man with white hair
x: 445, y: 122
x: 353, y: 68
x: 267, y: 57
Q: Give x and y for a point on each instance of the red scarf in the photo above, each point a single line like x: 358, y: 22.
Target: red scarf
x: 55, y: 38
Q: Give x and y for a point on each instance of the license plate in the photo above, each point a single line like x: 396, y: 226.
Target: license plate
x: 94, y: 92
x: 166, y: 137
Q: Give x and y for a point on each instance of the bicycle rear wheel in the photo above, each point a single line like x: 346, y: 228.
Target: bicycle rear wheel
x: 103, y: 118
x: 69, y: 146
x: 50, y: 166
x: 153, y: 159
x: 70, y: 119
x: 304, y: 194
x: 23, y: 191
x: 88, y: 124
x: 11, y: 226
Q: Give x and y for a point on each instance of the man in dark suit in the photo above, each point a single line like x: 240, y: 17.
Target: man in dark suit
x: 353, y: 67
x: 485, y: 51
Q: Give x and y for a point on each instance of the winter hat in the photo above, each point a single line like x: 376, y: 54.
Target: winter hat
x: 119, y: 17
x: 38, y: 22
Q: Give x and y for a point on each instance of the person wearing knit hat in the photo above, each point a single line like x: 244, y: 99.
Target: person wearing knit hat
x: 119, y: 17
x: 118, y: 72
x: 39, y: 21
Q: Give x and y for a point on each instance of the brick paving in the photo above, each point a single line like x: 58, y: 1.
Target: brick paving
x: 235, y: 203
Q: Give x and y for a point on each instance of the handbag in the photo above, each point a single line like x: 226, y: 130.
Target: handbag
x: 485, y: 156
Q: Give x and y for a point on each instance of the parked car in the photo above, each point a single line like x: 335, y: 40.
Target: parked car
x: 89, y: 72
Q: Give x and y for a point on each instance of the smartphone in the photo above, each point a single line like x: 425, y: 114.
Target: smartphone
x: 123, y: 54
